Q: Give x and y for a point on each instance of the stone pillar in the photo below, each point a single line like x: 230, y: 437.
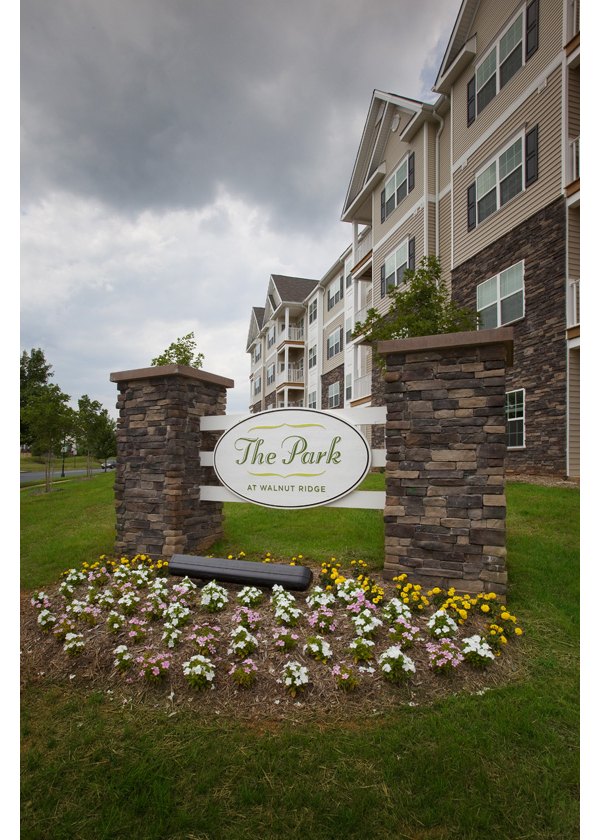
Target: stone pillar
x: 445, y: 508
x: 158, y: 473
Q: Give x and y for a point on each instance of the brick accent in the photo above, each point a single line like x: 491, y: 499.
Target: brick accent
x: 327, y: 379
x: 540, y: 354
x: 445, y: 438
x: 158, y: 464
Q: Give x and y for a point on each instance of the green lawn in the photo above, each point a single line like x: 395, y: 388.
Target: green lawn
x: 503, y: 765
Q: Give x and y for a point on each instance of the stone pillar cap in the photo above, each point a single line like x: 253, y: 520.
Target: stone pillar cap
x: 171, y: 370
x: 473, y: 338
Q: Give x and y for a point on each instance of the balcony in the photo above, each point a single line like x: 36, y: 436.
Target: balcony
x: 572, y: 20
x: 290, y: 334
x: 573, y: 303
x: 292, y: 375
x: 361, y: 387
x: 362, y: 251
x: 574, y: 159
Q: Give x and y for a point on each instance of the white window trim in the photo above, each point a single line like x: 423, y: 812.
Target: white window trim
x: 403, y: 244
x: 313, y: 311
x: 524, y: 445
x: 499, y: 299
x: 495, y: 159
x: 312, y: 357
x: 333, y: 396
x: 331, y: 351
x: 495, y: 47
x: 392, y: 177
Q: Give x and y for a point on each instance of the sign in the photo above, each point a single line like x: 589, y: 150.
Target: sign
x: 292, y: 458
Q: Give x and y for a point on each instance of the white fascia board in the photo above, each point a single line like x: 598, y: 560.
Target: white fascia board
x: 375, y: 178
x: 464, y: 57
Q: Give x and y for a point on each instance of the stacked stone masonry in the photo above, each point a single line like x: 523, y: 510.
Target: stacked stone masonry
x: 158, y: 476
x: 445, y: 508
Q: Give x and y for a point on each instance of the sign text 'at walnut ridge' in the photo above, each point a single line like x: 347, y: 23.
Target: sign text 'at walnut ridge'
x: 292, y: 458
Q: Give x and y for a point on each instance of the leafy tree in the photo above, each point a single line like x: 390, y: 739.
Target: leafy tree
x: 94, y: 431
x: 49, y: 420
x: 35, y: 373
x: 181, y: 352
x: 420, y: 306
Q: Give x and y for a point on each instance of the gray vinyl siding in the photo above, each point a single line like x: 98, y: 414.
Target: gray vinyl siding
x: 490, y: 20
x: 543, y: 109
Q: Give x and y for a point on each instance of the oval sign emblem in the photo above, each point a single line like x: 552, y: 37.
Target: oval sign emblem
x: 292, y: 458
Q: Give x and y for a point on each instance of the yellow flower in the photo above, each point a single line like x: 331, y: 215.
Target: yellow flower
x: 485, y: 608
x: 505, y: 616
x: 518, y: 631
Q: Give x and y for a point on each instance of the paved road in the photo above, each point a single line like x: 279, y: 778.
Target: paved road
x: 40, y: 476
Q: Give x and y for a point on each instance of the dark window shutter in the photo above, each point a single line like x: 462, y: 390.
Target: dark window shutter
x: 470, y: 100
x: 411, y: 253
x: 411, y: 171
x: 531, y: 156
x: 382, y: 206
x: 471, y: 207
x: 532, y: 28
x: 383, y: 289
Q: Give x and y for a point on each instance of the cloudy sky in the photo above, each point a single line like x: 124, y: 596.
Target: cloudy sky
x: 175, y: 153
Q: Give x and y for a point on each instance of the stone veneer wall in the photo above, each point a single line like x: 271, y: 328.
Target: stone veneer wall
x: 158, y: 462
x: 540, y: 360
x: 445, y: 438
x: 327, y: 379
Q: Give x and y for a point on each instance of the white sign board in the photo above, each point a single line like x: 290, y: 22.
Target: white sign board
x: 292, y: 458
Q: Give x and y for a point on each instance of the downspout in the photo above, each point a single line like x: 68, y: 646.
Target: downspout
x: 437, y: 182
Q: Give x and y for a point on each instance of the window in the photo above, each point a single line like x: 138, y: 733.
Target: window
x: 271, y: 374
x: 397, y: 186
x: 392, y: 270
x: 257, y: 353
x: 333, y: 395
x: 348, y: 280
x: 514, y: 47
x: 312, y: 399
x: 514, y: 409
x: 501, y: 299
x: 271, y: 336
x: 257, y: 385
x: 335, y: 293
x: 312, y: 311
x: 312, y: 356
x: 348, y: 386
x: 334, y: 343
x: 503, y: 178
x: 348, y: 330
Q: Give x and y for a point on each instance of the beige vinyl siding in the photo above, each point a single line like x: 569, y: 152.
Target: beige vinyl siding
x: 338, y: 359
x: 445, y: 254
x: 394, y: 153
x: 573, y: 242
x: 444, y: 157
x: 574, y: 412
x: 430, y: 249
x: 489, y: 22
x: 543, y: 109
x: 573, y: 102
x: 431, y: 132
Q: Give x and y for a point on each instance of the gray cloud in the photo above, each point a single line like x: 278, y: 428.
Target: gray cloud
x: 146, y: 103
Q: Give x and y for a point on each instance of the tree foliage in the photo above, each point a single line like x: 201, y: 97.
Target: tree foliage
x: 421, y: 305
x: 50, y: 421
x: 35, y: 373
x: 181, y: 352
x: 94, y: 431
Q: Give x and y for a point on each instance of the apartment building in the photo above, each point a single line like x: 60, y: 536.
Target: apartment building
x: 487, y: 179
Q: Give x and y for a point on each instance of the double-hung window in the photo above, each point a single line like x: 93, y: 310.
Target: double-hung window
x: 257, y: 353
x: 312, y: 311
x: 335, y: 293
x: 516, y: 44
x: 348, y: 386
x: 333, y: 395
x: 514, y: 409
x: 397, y: 186
x: 271, y: 335
x: 507, y: 175
x: 501, y: 299
x: 312, y: 356
x: 270, y: 374
x: 392, y: 270
x: 257, y: 385
x: 312, y: 399
x: 334, y: 343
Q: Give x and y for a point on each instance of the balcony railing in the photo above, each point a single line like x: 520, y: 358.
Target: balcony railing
x: 573, y: 303
x: 292, y: 334
x: 361, y: 387
x: 291, y: 374
x: 365, y: 244
x: 574, y: 159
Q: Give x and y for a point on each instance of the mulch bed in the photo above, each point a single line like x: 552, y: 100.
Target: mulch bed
x: 45, y: 662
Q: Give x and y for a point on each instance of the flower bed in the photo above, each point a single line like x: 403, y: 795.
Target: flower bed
x: 338, y: 646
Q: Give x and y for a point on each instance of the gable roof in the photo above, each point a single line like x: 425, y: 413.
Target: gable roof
x: 292, y: 289
x: 458, y: 45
